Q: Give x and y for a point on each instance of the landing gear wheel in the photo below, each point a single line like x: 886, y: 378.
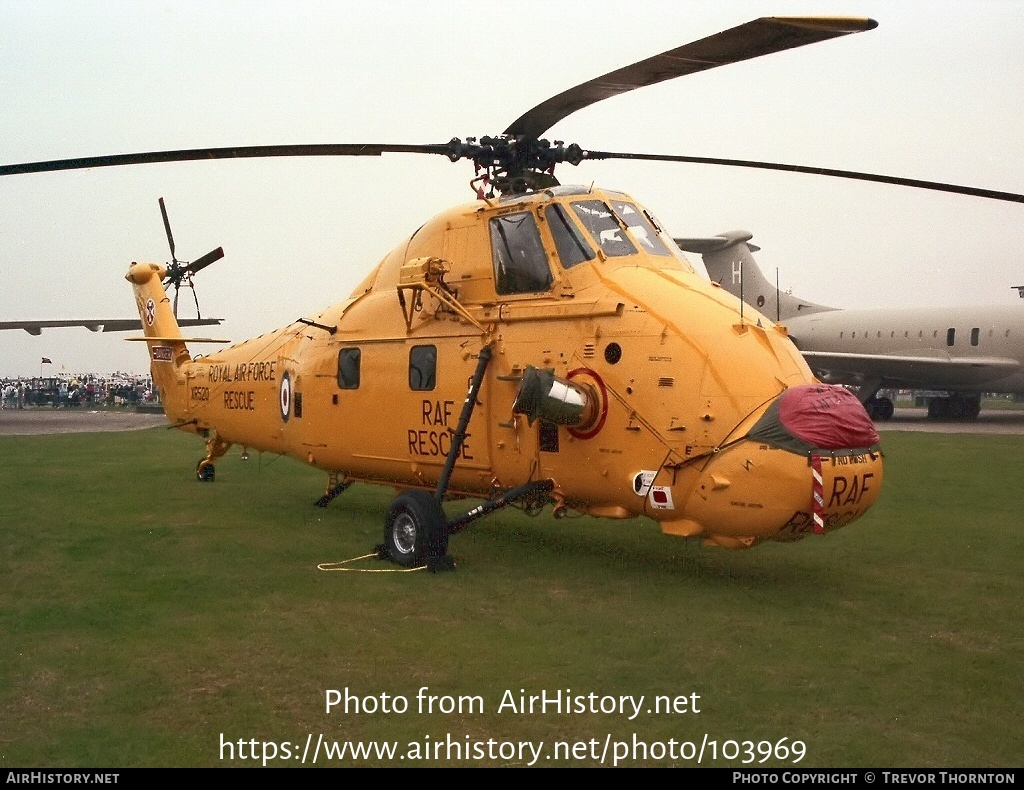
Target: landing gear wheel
x: 415, y: 530
x: 883, y: 409
x: 205, y: 471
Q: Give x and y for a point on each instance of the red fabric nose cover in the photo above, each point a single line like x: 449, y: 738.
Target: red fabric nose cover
x: 817, y: 416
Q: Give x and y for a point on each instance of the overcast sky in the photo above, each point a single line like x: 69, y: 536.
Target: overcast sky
x: 935, y: 92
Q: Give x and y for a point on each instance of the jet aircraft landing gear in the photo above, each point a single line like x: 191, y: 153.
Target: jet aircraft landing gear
x: 880, y: 408
x: 955, y: 407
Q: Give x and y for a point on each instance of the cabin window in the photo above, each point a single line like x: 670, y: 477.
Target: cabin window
x: 643, y: 231
x: 422, y: 368
x: 975, y: 335
x: 572, y: 246
x: 520, y: 263
x: 604, y: 227
x: 348, y: 368
x: 950, y: 336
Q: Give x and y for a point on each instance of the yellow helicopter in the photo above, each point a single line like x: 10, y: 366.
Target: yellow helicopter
x: 543, y: 344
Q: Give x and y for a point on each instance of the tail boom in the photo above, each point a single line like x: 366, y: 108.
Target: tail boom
x: 168, y: 353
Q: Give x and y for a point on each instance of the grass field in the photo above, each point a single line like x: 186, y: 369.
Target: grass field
x: 146, y: 618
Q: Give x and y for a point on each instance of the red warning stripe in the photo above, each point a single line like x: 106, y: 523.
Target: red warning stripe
x: 819, y: 497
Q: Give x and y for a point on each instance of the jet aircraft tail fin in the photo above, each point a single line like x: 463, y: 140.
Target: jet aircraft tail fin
x: 729, y: 262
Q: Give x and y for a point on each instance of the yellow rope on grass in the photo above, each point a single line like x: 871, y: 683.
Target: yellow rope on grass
x: 337, y: 566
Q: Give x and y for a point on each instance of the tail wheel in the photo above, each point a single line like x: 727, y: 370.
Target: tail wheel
x: 415, y: 530
x: 205, y: 471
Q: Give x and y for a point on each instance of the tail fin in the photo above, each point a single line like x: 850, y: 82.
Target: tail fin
x: 728, y: 260
x: 167, y: 351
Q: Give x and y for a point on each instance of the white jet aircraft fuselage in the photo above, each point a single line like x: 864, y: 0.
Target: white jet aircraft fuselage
x: 962, y: 351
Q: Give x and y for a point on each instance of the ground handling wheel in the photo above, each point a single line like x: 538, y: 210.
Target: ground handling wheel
x: 205, y: 471
x: 415, y: 532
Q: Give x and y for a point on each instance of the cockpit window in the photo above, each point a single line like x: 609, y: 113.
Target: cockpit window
x: 640, y: 227
x: 604, y: 227
x: 572, y: 246
x: 520, y: 263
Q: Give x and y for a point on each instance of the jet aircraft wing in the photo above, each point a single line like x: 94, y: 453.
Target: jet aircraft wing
x: 911, y: 372
x: 98, y: 325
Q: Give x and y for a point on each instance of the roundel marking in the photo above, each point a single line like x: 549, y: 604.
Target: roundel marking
x: 286, y: 396
x: 603, y: 395
x: 150, y: 312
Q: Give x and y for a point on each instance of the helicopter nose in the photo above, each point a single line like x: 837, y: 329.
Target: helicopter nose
x: 811, y: 463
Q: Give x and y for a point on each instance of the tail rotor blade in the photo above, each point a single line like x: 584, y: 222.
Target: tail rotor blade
x: 206, y: 260
x: 167, y: 227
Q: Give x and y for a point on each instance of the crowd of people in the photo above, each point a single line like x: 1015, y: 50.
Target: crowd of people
x: 116, y: 389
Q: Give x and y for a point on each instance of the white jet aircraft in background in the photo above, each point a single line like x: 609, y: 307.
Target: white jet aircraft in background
x: 961, y: 351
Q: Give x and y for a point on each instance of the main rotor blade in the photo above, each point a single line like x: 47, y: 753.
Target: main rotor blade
x: 167, y: 227
x: 238, y: 152
x: 751, y: 40
x: 936, y: 186
x: 206, y: 260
